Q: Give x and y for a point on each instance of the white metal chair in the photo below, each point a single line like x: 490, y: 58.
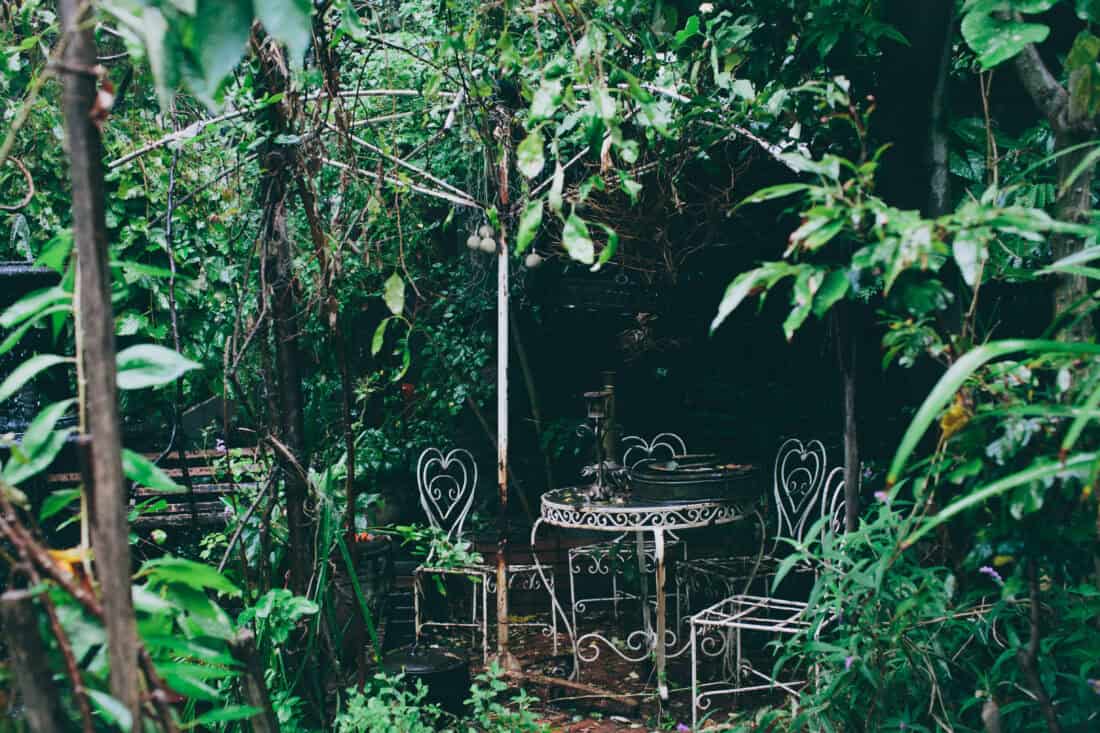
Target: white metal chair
x: 717, y: 630
x: 447, y: 484
x: 605, y: 557
x: 798, y: 478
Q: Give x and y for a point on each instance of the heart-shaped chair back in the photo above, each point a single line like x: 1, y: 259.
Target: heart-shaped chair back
x: 447, y: 483
x: 800, y: 472
x: 662, y: 445
x: 832, y: 500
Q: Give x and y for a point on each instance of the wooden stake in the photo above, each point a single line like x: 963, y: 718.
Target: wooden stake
x: 110, y: 531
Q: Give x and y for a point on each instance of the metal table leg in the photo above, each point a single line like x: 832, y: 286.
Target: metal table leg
x: 659, y: 639
x: 555, y: 607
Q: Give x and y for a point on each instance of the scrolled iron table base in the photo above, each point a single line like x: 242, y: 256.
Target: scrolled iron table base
x: 570, y: 509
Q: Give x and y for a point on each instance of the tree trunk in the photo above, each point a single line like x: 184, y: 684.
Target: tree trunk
x: 95, y: 318
x: 1073, y: 205
x: 278, y: 163
x: 846, y: 354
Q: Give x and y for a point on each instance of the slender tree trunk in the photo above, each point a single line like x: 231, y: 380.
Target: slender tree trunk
x: 1073, y: 205
x: 939, y: 188
x: 109, y: 528
x: 1067, y: 115
x: 278, y: 162
x: 847, y: 343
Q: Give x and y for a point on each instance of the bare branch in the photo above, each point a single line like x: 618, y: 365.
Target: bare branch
x: 413, y: 186
x: 30, y: 187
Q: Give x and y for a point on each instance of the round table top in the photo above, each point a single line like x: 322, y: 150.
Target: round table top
x: 570, y: 508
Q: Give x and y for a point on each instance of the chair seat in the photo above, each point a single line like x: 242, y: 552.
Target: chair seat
x: 757, y: 613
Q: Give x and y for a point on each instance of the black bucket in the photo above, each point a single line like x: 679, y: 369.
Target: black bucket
x: 445, y: 674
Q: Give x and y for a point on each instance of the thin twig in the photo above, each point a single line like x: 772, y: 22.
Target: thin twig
x: 30, y: 187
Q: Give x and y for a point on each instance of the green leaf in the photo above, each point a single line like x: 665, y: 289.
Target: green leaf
x: 28, y: 370
x: 17, y: 471
x: 970, y: 254
x: 1088, y: 10
x: 834, y: 287
x: 603, y: 103
x: 172, y: 570
x: 32, y: 305
x: 557, y: 183
x: 144, y: 472
x: 609, y: 249
x: 546, y: 100
x: 775, y: 192
x: 38, y: 432
x: 577, y: 241
x: 226, y: 714
x: 764, y: 276
x: 221, y: 29
x: 685, y: 34
x: 1085, y: 51
x: 17, y: 335
x: 379, y: 337
x: 529, y: 222
x: 55, y: 253
x: 111, y: 709
x: 393, y: 293
x: 996, y: 40
x: 149, y: 365
x: 352, y: 25
x: 529, y: 157
x: 56, y: 502
x: 289, y: 21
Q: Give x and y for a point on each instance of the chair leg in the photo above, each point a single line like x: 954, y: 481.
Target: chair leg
x: 694, y: 681
x: 416, y: 607
x: 553, y: 614
x: 572, y: 595
x: 484, y: 622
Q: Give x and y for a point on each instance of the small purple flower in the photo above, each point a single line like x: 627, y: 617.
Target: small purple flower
x: 681, y: 728
x: 848, y: 662
x: 219, y: 445
x: 1094, y: 684
x: 987, y: 570
x: 881, y: 496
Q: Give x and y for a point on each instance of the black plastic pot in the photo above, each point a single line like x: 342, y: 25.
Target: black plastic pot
x: 445, y: 674
x: 692, y: 478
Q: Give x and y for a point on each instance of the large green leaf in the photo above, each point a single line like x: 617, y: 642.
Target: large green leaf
x: 834, y: 287
x: 56, y: 502
x: 111, y: 709
x: 288, y: 21
x: 149, y: 365
x: 144, y: 472
x: 196, y: 575
x: 546, y: 100
x: 221, y: 33
x: 577, y: 241
x: 996, y: 40
x: 764, y: 276
x: 529, y: 158
x: 529, y: 223
x: 28, y: 370
x: 17, y: 471
x: 393, y: 293
x: 609, y: 248
x: 32, y: 305
x: 38, y: 432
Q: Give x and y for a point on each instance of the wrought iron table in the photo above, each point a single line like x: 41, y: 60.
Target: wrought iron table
x: 569, y: 508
